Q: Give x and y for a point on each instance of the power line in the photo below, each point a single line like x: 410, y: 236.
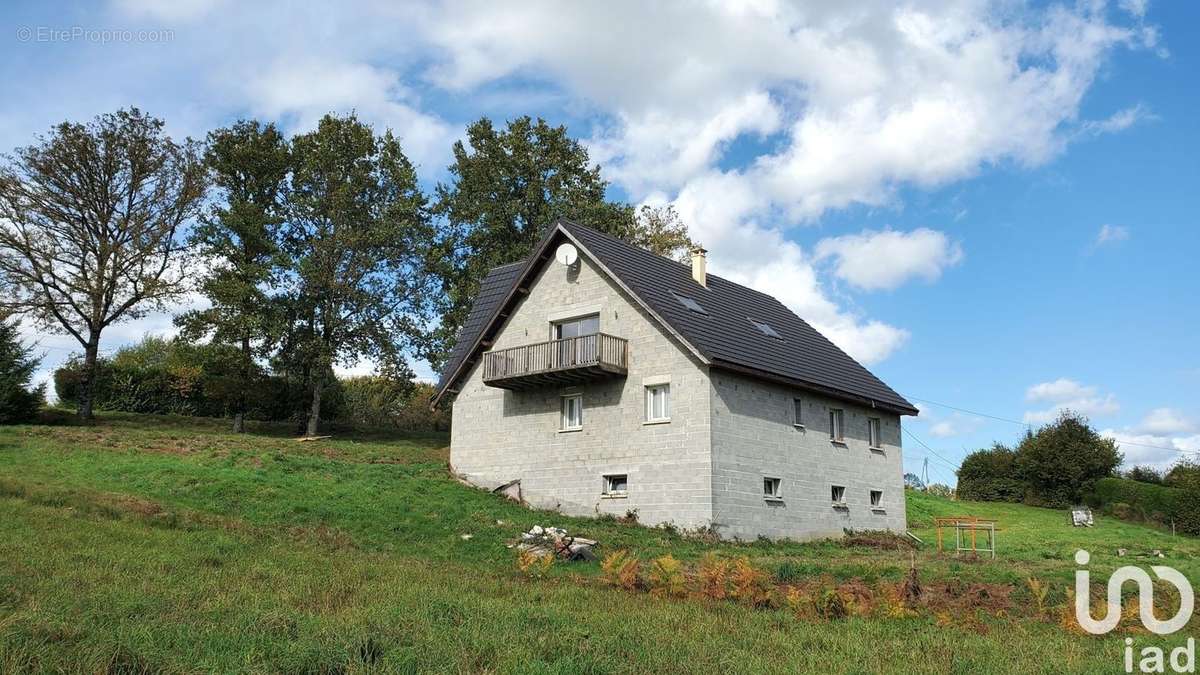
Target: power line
x: 972, y: 412
x: 953, y: 465
x: 1027, y: 425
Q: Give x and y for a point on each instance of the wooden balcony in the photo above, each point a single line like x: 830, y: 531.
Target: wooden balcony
x: 565, y: 361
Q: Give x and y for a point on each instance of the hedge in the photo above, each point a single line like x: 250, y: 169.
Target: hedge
x: 1135, y: 500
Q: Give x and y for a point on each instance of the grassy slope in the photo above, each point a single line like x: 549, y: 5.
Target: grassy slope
x: 169, y: 543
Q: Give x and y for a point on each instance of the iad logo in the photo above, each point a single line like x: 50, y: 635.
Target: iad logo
x: 1145, y: 586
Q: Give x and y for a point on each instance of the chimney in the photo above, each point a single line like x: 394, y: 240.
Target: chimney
x: 700, y: 266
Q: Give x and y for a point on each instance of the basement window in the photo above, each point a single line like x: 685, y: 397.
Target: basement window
x: 765, y: 329
x: 771, y: 489
x: 572, y: 413
x: 876, y: 499
x: 838, y: 493
x: 689, y: 303
x: 616, y: 485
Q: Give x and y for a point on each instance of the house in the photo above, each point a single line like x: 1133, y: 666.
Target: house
x: 607, y: 380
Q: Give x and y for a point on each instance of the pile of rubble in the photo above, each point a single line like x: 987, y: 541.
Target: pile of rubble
x: 554, y: 541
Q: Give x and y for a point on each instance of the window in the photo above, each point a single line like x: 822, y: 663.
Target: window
x: 765, y: 329
x: 616, y: 484
x: 835, y: 425
x: 838, y: 492
x: 658, y: 403
x: 797, y: 412
x: 571, y: 352
x: 876, y: 498
x: 873, y: 432
x: 584, y: 325
x: 771, y: 488
x: 689, y: 303
x: 572, y: 412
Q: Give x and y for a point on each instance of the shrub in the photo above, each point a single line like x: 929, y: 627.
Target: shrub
x: 1062, y: 461
x: 534, y: 565
x: 990, y: 476
x: 833, y: 605
x: 1145, y: 474
x: 160, y: 376
x: 789, y: 571
x: 666, y: 578
x: 19, y: 402
x: 1184, y: 474
x: 750, y: 585
x: 1134, y: 500
x: 941, y: 490
x: 375, y: 401
x: 623, y: 570
x: 712, y: 577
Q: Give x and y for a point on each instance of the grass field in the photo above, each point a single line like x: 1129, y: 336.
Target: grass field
x: 147, y: 544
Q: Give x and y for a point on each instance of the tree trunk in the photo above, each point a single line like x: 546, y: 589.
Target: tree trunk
x: 87, y: 378
x: 239, y: 413
x: 314, y: 414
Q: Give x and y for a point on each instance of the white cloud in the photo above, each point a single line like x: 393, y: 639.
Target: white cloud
x: 735, y: 240
x: 1110, y: 234
x: 1118, y: 121
x: 1066, y: 394
x: 1166, y: 422
x: 1058, y: 390
x: 943, y: 429
x: 1134, y: 7
x: 886, y: 259
x: 1159, y: 451
x: 840, y: 104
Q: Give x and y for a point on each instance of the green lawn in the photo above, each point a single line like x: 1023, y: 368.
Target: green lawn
x: 166, y: 544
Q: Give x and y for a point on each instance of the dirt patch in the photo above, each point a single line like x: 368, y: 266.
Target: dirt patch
x: 878, y: 540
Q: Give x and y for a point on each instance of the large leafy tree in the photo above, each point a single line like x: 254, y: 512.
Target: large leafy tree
x: 1061, y: 462
x: 89, y: 217
x: 507, y: 185
x: 358, y: 230
x: 238, y: 237
x: 660, y: 230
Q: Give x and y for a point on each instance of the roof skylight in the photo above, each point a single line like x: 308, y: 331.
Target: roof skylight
x: 765, y: 329
x: 689, y: 303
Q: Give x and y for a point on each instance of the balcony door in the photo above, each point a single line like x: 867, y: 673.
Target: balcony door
x: 577, y: 340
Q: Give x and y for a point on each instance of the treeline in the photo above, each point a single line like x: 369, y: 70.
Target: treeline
x: 310, y: 252
x: 1058, y: 465
x: 1067, y: 463
x: 173, y: 377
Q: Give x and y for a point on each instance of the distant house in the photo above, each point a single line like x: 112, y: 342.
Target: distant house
x: 607, y: 379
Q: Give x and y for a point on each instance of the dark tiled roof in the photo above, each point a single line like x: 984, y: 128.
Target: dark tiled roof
x: 496, y: 285
x: 724, y: 335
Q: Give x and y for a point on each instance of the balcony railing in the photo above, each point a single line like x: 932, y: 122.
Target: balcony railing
x: 567, y: 360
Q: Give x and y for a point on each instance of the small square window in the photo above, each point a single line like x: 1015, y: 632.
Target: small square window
x: 616, y: 484
x: 873, y: 433
x: 771, y: 488
x: 876, y: 498
x: 835, y: 424
x: 838, y: 492
x: 765, y: 329
x: 572, y: 412
x: 658, y: 403
x: 798, y: 412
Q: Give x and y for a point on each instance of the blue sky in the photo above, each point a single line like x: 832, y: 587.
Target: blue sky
x: 993, y: 205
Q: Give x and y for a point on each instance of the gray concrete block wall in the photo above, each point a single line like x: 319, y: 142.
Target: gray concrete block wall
x: 753, y: 437
x: 500, y: 435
